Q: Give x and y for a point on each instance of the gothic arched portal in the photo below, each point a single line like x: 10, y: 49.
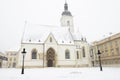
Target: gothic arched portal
x: 50, y: 57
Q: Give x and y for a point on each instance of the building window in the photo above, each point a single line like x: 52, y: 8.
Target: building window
x: 77, y: 55
x: 10, y: 59
x: 14, y: 65
x: 68, y: 23
x: 77, y: 47
x: 91, y: 53
x: 67, y: 54
x: 9, y: 65
x: 112, y: 52
x: 116, y: 43
x: 106, y: 53
x: 83, y: 51
x: 34, y: 54
x: 117, y: 51
x: 119, y: 61
x: 105, y: 46
x: 50, y: 39
x: 14, y: 59
x: 101, y: 47
x: 39, y: 56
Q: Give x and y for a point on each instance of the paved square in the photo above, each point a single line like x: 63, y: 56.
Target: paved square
x: 61, y: 74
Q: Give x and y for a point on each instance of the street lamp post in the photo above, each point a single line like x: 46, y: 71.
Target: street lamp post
x: 23, y: 52
x: 99, y: 60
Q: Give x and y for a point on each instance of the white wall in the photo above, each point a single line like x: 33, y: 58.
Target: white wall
x: 59, y: 54
x: 83, y: 60
x: 28, y: 60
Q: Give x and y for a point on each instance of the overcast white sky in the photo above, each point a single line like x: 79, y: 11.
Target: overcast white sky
x: 94, y: 18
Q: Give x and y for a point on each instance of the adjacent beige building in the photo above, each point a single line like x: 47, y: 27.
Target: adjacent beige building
x: 110, y: 49
x: 3, y: 60
x: 12, y: 58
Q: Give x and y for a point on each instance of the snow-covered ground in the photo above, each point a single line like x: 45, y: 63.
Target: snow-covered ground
x: 61, y: 74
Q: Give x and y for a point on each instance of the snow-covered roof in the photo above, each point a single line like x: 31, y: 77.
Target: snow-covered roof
x: 77, y: 36
x: 35, y: 33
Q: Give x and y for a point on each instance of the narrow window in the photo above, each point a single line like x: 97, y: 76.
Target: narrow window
x: 14, y: 65
x: 68, y: 23
x: 112, y: 51
x: 39, y: 56
x: 14, y: 59
x: 67, y: 54
x: 77, y: 55
x: 83, y: 51
x: 117, y: 51
x: 34, y: 54
x: 116, y: 43
x: 50, y: 39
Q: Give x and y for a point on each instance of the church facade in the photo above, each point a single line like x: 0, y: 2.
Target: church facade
x: 52, y: 46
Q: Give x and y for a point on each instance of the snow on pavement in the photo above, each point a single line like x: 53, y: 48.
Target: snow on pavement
x: 60, y: 74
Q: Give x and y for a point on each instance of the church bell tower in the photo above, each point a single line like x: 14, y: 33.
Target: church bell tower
x: 67, y: 18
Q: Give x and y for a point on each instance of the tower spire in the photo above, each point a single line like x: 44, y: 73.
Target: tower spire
x: 66, y: 11
x: 66, y: 6
x: 67, y: 18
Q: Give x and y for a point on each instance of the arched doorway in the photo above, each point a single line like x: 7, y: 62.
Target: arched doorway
x: 50, y: 63
x: 50, y: 57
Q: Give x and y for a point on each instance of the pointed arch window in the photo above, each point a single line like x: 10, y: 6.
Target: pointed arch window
x: 77, y: 54
x: 83, y: 51
x: 34, y: 54
x: 50, y: 39
x: 67, y: 54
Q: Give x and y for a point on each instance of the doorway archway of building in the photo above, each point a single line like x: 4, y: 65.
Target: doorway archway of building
x: 50, y: 57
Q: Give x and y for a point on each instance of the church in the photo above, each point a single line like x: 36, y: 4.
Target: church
x: 54, y: 46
